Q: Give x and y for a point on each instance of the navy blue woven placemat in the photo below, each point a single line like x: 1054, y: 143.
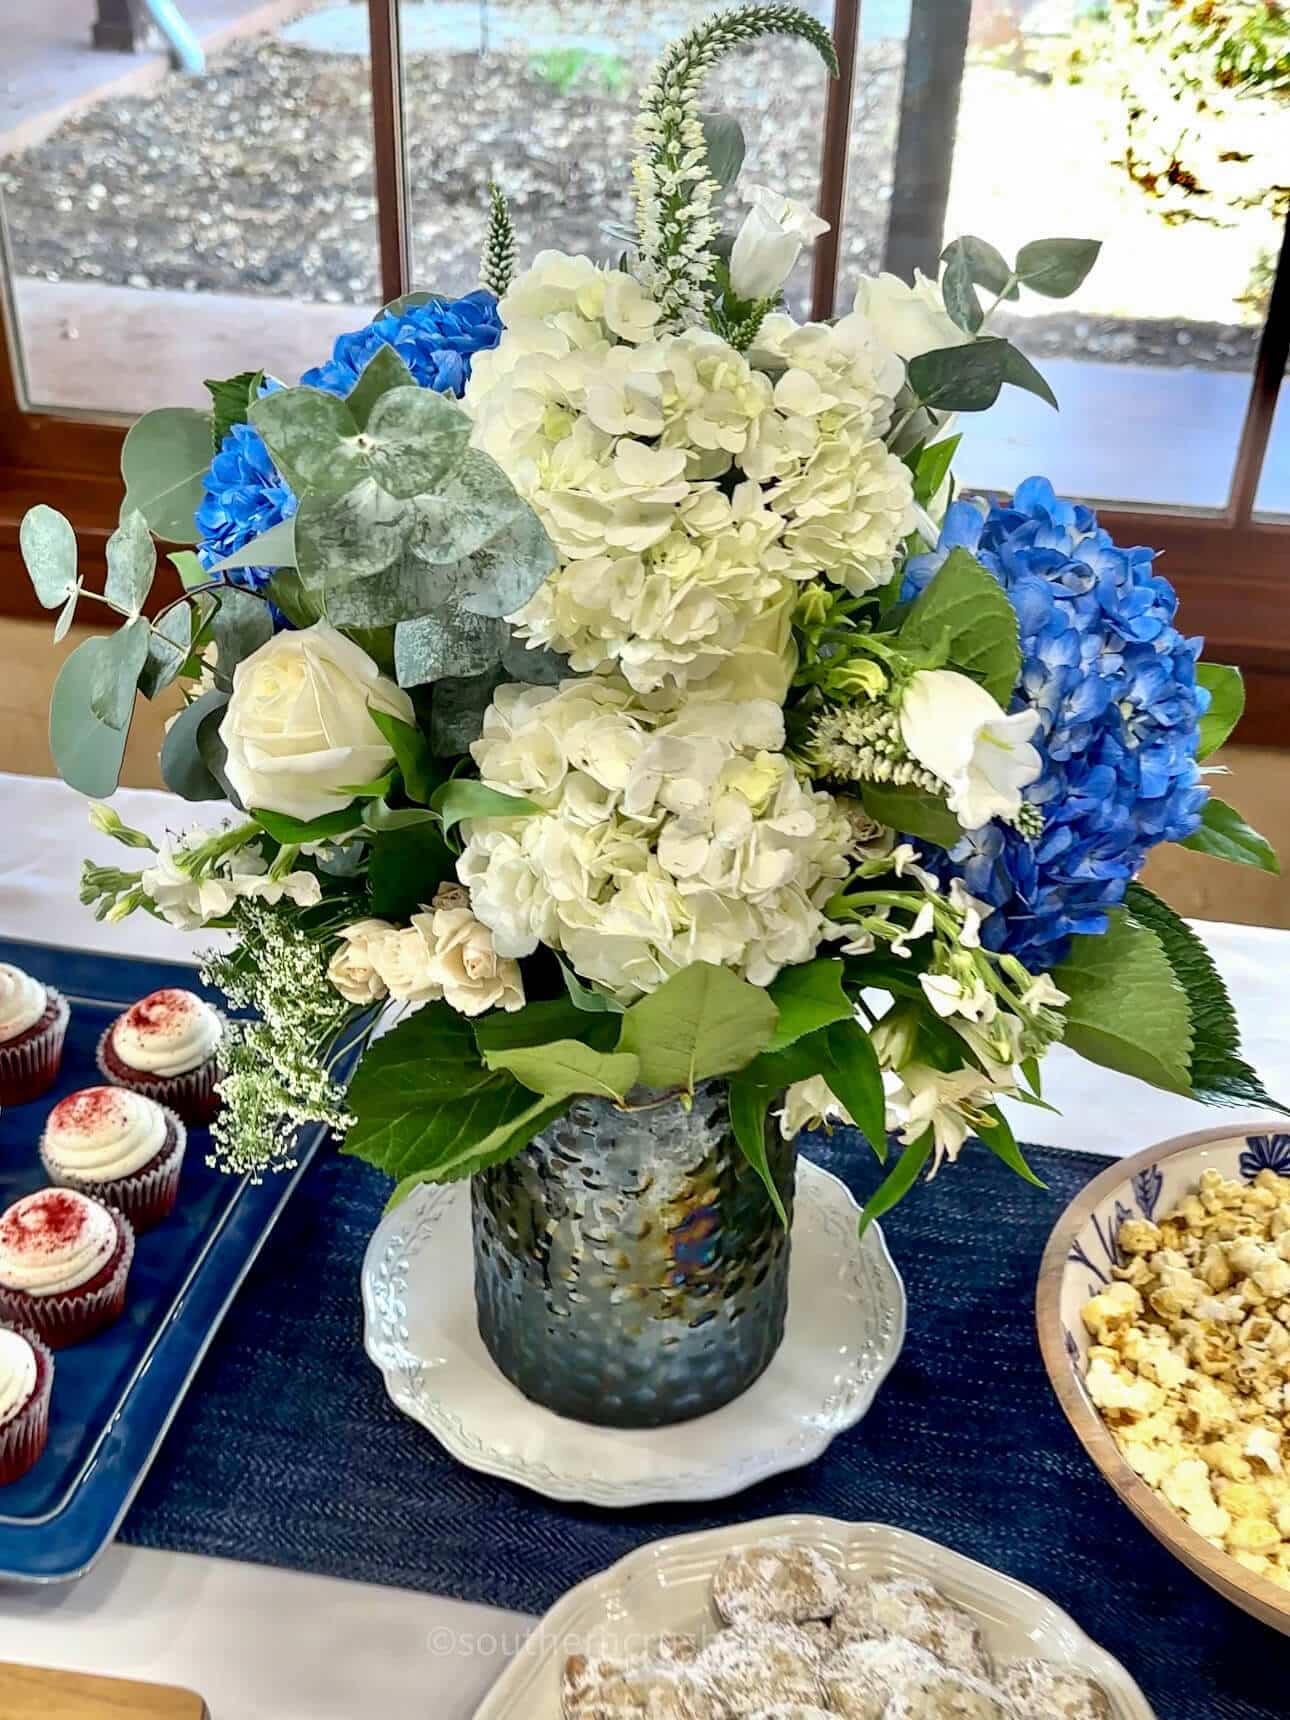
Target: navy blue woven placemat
x: 287, y: 1451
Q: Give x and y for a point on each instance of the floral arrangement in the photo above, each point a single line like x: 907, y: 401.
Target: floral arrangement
x: 615, y: 692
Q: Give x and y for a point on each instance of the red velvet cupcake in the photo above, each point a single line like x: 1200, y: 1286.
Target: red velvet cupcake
x: 64, y: 1261
x: 33, y: 1025
x: 26, y: 1380
x: 118, y: 1147
x: 167, y: 1048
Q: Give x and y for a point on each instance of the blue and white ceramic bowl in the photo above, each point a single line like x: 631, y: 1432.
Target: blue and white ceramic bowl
x: 1077, y: 1263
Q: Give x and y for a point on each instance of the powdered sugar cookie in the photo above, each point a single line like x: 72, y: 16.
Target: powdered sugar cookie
x: 647, y: 1692
x: 1044, y: 1692
x: 900, y: 1606
x: 861, y: 1678
x: 759, y: 1663
x: 950, y: 1695
x: 792, y: 1711
x: 775, y: 1580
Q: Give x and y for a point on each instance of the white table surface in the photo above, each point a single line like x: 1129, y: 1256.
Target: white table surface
x: 266, y: 1644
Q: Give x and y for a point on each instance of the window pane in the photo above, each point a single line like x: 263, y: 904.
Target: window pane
x: 1151, y: 359
x: 1273, y: 498
x: 543, y: 100
x: 164, y: 227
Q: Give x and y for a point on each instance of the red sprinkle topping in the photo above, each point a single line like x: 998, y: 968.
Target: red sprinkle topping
x: 45, y: 1222
x: 161, y: 1013
x: 91, y: 1109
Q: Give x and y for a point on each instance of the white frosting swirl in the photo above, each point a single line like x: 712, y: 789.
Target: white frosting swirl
x: 102, y: 1133
x: 54, y: 1240
x: 17, y: 1373
x: 22, y: 1001
x: 167, y: 1033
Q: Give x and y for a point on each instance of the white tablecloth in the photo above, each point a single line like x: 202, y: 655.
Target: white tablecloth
x: 265, y: 1644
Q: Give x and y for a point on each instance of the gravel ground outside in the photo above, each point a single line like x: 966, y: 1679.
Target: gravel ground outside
x: 258, y: 177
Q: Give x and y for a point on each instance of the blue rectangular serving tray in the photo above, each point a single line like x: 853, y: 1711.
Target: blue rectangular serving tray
x: 116, y: 1394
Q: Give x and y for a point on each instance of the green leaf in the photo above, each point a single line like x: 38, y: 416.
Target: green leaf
x: 535, y: 665
x: 807, y: 996
x: 409, y: 301
x: 86, y: 752
x: 230, y: 399
x: 585, y: 997
x: 723, y: 138
x: 933, y: 467
x: 382, y: 372
x: 187, y: 564
x: 183, y: 770
x: 986, y: 266
x: 48, y: 546
x: 749, y: 1104
x: 1018, y: 370
x: 500, y: 1144
x: 214, y: 755
x: 289, y: 830
x: 411, y: 753
x: 1056, y: 267
x: 240, y: 626
x: 898, y: 1181
x: 274, y: 548
x: 703, y: 1021
x: 451, y: 642
x: 405, y: 868
x: 287, y: 590
x: 426, y: 1107
x: 1127, y: 1011
x: 541, y: 1022
x: 131, y: 563
x: 462, y: 797
x: 118, y: 665
x: 168, y: 649
x: 1030, y: 1070
x: 379, y: 815
x: 960, y: 378
x: 961, y: 302
x: 1219, y: 1074
x: 998, y: 1136
x: 1226, y: 689
x: 967, y: 609
x: 850, y: 1067
x: 457, y: 711
x: 164, y: 457
x: 912, y: 812
x: 564, y: 1067
x: 1225, y: 835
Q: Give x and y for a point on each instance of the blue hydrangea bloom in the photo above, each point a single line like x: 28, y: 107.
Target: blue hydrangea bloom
x: 436, y: 341
x: 1114, y: 683
x: 244, y: 493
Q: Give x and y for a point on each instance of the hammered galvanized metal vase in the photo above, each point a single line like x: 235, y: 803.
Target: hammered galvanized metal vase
x: 630, y: 1269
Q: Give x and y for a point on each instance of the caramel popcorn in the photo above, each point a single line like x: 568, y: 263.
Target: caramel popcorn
x: 1190, y: 1362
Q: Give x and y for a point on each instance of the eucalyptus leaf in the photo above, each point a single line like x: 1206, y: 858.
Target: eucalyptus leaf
x: 311, y: 437
x: 403, y: 591
x: 966, y: 607
x: 723, y: 138
x: 1226, y: 690
x: 960, y: 378
x: 187, y: 564
x: 561, y: 1068
x: 961, y: 301
x: 452, y: 642
x: 118, y: 665
x: 131, y: 563
x: 168, y: 649
x: 535, y: 665
x: 410, y: 301
x: 414, y: 439
x: 462, y: 797
x: 1018, y: 370
x: 1127, y: 1010
x: 352, y: 536
x: 66, y: 615
x: 701, y: 1022
x: 182, y: 768
x: 382, y: 372
x: 164, y: 458
x: 457, y: 711
x: 500, y: 576
x: 985, y: 265
x: 48, y: 546
x: 1056, y: 267
x: 913, y: 812
x: 274, y: 548
x: 214, y: 754
x: 239, y: 626
x: 1225, y: 835
x: 86, y: 752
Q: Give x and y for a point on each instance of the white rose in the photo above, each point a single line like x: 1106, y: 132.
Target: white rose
x: 298, y: 729
x: 405, y: 962
x: 956, y: 730
x: 352, y: 969
x: 770, y: 242
x: 466, y: 964
x: 906, y: 320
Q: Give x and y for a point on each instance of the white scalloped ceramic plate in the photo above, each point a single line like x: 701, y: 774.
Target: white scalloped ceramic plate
x: 846, y: 1324
x: 665, y: 1587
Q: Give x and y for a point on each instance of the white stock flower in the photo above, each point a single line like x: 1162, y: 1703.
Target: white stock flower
x: 352, y: 969
x: 298, y: 728
x: 955, y: 729
x: 966, y: 995
x: 190, y: 903
x: 906, y: 320
x: 946, y: 1101
x: 668, y: 836
x: 770, y: 241
x: 811, y: 1104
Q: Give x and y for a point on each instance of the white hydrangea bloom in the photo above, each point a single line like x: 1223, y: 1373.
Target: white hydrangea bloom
x: 666, y: 836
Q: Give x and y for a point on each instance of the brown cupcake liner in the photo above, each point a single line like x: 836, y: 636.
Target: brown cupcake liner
x: 145, y: 1196
x: 29, y: 1065
x: 69, y: 1316
x: 23, y: 1436
x: 190, y: 1094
